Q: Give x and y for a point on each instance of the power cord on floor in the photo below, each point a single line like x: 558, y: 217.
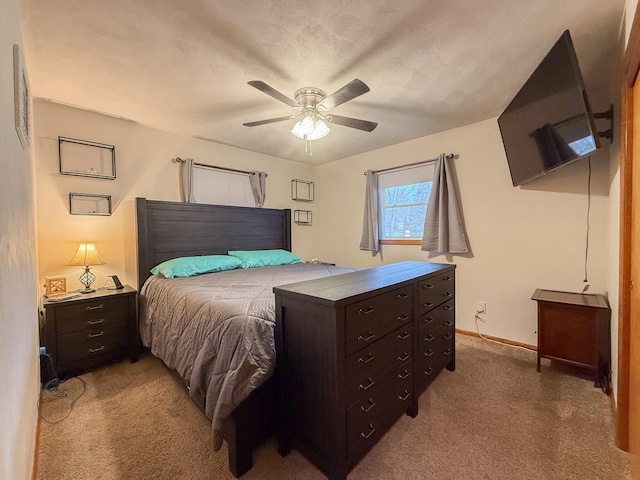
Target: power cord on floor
x: 478, y: 317
x: 60, y: 393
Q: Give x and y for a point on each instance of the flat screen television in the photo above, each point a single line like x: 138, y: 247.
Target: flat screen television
x: 549, y: 123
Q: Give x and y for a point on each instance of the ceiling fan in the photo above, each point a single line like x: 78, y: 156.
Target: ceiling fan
x: 312, y: 105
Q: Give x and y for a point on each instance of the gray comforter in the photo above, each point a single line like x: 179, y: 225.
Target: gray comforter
x: 217, y: 330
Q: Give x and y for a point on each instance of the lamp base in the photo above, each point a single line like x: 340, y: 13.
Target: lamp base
x: 87, y: 290
x: 86, y: 279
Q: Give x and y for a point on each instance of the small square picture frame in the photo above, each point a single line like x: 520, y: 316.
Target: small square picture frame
x: 22, y: 98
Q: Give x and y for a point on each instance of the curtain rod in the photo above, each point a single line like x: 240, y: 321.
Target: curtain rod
x: 449, y: 155
x: 204, y: 165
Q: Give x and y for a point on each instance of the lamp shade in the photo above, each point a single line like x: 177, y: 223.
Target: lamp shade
x: 86, y: 255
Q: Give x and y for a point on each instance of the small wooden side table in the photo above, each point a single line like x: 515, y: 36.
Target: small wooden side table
x: 575, y: 328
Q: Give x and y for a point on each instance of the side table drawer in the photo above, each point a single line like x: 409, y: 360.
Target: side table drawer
x: 81, y: 346
x: 95, y: 314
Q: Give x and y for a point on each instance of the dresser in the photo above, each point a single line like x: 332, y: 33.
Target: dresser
x: 93, y: 329
x: 347, y: 349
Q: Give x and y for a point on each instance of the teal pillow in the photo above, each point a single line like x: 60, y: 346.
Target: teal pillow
x: 263, y: 258
x: 190, y: 266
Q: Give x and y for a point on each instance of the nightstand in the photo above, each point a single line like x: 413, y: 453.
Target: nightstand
x: 90, y: 330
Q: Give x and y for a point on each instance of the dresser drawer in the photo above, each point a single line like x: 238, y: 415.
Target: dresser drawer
x: 433, y: 358
x: 371, y: 365
x: 369, y: 418
x: 95, y: 342
x: 99, y: 313
x: 435, y: 290
x: 371, y: 319
x: 440, y: 318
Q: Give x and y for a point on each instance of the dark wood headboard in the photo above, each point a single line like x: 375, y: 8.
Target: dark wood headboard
x: 167, y: 230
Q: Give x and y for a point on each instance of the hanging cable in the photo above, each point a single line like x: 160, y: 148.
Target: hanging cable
x: 586, y: 284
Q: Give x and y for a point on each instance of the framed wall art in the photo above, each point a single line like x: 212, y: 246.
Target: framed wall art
x: 85, y: 158
x: 21, y: 97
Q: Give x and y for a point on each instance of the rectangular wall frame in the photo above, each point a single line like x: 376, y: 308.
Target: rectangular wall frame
x: 84, y: 158
x: 303, y: 217
x: 302, y: 190
x: 89, y: 204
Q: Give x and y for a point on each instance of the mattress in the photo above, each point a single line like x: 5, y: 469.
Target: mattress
x: 217, y: 330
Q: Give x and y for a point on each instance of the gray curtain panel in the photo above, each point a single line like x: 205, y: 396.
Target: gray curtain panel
x: 443, y: 227
x: 186, y: 180
x: 258, y: 187
x: 369, y: 239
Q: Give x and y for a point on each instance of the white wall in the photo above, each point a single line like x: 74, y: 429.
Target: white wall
x: 521, y: 238
x: 19, y: 365
x: 143, y: 169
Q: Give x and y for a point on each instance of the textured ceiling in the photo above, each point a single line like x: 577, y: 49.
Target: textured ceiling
x: 184, y: 66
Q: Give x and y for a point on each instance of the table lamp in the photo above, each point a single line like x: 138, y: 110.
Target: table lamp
x: 87, y: 256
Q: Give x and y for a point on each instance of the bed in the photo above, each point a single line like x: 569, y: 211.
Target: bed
x: 215, y: 331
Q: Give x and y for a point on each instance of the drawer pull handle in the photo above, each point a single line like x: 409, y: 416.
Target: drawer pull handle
x: 428, y: 353
x: 369, y: 310
x: 447, y: 294
x: 428, y: 320
x: 94, y: 350
x: 403, y: 358
x: 447, y: 336
x: 403, y: 398
x: 403, y: 336
x: 368, y: 386
x: 427, y: 304
x: 446, y: 278
x: 427, y: 286
x: 448, y: 351
x: 402, y: 318
x: 95, y: 335
x: 369, y: 358
x: 428, y: 371
x: 401, y: 296
x: 448, y: 307
x: 371, y: 430
x: 428, y: 338
x: 368, y: 409
x: 447, y: 323
x: 369, y: 336
x: 96, y: 322
x: 95, y: 307
x: 404, y: 375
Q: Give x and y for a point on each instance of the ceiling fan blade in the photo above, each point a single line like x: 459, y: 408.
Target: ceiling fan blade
x: 353, y: 123
x: 263, y: 87
x: 351, y: 90
x: 267, y: 121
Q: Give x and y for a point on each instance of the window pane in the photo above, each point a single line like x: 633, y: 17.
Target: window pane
x: 403, y: 210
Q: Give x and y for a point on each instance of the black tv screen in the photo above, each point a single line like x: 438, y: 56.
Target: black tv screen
x: 549, y: 122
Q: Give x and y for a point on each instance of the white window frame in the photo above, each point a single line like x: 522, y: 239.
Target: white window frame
x: 222, y: 187
x: 396, y: 178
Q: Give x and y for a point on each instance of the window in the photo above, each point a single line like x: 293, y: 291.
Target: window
x: 222, y: 187
x: 403, y: 198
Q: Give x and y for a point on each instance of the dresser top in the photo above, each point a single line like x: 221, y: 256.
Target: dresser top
x: 99, y: 293
x: 353, y: 284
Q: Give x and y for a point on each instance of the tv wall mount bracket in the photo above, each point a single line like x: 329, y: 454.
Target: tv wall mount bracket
x: 608, y: 115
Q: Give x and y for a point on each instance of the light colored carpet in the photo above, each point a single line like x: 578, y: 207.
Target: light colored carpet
x: 493, y: 418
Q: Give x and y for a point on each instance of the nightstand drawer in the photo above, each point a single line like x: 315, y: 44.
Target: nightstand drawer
x: 84, y: 345
x: 98, y: 313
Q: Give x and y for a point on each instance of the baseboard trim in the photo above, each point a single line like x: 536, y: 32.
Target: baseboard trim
x: 533, y: 348
x: 34, y: 469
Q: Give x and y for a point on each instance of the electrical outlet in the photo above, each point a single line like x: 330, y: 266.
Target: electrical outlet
x: 42, y: 350
x: 481, y: 307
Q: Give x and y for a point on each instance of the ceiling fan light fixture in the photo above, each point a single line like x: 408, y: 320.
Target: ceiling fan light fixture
x: 321, y: 130
x: 308, y: 124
